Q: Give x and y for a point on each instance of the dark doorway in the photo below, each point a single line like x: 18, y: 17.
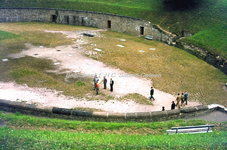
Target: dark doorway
x: 67, y: 19
x: 54, y: 18
x: 141, y: 30
x: 108, y: 24
x: 82, y: 21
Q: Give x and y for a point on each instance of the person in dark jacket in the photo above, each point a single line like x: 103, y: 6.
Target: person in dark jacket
x: 111, y: 84
x: 173, y: 105
x: 152, y: 93
x: 186, y: 97
x: 104, y: 82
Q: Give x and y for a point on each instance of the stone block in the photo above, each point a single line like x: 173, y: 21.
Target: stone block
x: 30, y: 107
x: 117, y: 115
x: 63, y: 111
x: 158, y: 113
x: 143, y: 115
x: 17, y: 105
x: 173, y: 112
x: 187, y: 109
x: 201, y: 107
x: 131, y: 115
x: 81, y: 113
x: 47, y: 109
x: 99, y: 115
x: 5, y: 102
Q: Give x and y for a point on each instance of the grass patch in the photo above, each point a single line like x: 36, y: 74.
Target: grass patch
x: 204, y: 18
x: 137, y: 98
x: 179, y: 70
x: 7, y: 35
x: 27, y: 132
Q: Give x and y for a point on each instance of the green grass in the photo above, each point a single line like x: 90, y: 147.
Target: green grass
x: 26, y: 132
x: 203, y: 20
x: 7, y: 35
x: 179, y: 70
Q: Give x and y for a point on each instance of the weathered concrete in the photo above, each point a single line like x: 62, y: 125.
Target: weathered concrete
x: 182, y: 113
x: 124, y: 24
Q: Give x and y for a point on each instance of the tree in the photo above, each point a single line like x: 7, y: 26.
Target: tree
x: 181, y: 4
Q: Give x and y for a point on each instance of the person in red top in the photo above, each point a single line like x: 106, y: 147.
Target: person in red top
x: 97, y: 88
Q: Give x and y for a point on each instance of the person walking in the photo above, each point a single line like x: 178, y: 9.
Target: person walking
x: 104, y: 82
x: 182, y: 99
x: 111, y: 84
x: 186, y: 97
x: 152, y: 93
x: 173, y: 105
x: 178, y: 99
x: 97, y: 88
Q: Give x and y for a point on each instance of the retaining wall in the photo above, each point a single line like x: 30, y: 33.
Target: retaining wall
x: 54, y: 112
x: 124, y: 24
x: 211, y: 58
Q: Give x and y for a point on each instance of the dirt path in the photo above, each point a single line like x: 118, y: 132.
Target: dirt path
x: 71, y: 57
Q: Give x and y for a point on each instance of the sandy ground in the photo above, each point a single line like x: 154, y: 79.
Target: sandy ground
x: 71, y: 57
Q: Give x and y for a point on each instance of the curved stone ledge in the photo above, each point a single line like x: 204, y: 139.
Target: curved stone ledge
x: 201, y: 107
x: 82, y: 113
x: 63, y: 111
x: 12, y: 106
x: 187, y: 109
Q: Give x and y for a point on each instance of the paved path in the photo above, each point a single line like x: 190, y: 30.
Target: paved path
x: 213, y: 116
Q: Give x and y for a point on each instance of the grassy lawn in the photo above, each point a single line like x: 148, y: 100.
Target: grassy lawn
x: 179, y: 70
x: 208, y: 21
x: 26, y: 132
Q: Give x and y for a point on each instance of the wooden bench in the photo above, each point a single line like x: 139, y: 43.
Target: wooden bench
x: 190, y: 129
x: 149, y: 37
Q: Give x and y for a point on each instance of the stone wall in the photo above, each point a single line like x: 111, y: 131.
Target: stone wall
x: 54, y: 112
x: 213, y: 59
x: 124, y: 24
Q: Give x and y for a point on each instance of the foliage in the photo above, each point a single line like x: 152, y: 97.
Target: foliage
x: 181, y: 4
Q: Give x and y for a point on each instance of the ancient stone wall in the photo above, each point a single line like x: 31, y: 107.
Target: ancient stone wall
x: 213, y: 59
x: 55, y: 112
x: 124, y: 24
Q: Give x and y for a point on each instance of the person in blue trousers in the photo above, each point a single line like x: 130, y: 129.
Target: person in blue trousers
x: 186, y: 97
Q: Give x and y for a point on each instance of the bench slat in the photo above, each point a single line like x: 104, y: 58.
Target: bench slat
x: 190, y: 129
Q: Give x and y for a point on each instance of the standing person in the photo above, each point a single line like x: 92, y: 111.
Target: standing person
x: 111, y: 84
x: 182, y: 99
x: 152, y: 93
x: 96, y: 79
x: 97, y: 88
x: 173, y: 105
x: 186, y: 97
x: 178, y: 99
x: 104, y: 82
x: 163, y: 108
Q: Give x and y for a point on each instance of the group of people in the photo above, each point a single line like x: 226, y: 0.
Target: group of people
x: 181, y: 100
x: 96, y: 85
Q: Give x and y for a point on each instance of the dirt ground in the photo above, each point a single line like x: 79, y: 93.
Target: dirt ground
x: 72, y: 57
